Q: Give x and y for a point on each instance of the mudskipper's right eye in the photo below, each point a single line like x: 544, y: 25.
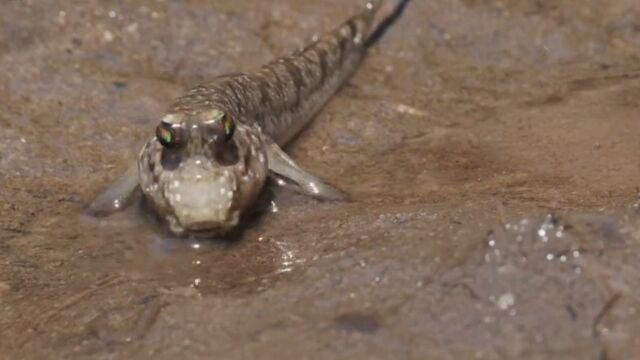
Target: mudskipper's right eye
x: 165, y: 136
x: 170, y: 135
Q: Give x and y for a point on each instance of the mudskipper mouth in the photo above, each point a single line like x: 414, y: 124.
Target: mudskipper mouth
x: 204, y: 201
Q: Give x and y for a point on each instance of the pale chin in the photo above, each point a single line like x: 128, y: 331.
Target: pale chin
x: 204, y: 205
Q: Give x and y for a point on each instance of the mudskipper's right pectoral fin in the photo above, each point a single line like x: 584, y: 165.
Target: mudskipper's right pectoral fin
x: 117, y: 196
x: 288, y: 174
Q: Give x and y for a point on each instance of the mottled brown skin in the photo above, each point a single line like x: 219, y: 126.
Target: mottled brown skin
x: 193, y: 185
x: 285, y: 94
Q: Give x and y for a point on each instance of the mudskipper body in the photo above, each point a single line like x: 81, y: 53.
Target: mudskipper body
x: 216, y: 146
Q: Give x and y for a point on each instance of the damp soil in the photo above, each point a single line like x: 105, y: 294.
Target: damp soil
x: 490, y: 147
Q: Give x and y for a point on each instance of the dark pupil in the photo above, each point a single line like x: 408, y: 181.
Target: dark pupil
x: 229, y: 128
x: 165, y: 136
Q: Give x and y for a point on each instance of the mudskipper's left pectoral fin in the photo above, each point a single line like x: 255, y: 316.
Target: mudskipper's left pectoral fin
x: 288, y: 174
x: 117, y: 196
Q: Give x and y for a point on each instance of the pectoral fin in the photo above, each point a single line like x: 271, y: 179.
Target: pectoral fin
x: 288, y: 174
x: 117, y: 196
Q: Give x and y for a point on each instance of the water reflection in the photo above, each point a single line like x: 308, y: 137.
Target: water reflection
x: 249, y: 263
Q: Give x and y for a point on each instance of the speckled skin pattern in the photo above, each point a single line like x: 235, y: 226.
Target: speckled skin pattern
x: 190, y: 187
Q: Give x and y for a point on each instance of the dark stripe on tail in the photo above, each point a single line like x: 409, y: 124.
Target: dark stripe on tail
x: 383, y: 25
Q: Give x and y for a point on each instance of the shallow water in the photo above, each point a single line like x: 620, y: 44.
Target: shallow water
x: 490, y: 148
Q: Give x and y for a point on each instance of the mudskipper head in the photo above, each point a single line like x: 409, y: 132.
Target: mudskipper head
x: 202, y: 170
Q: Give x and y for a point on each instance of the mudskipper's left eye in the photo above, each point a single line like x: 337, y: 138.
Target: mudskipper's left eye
x: 229, y: 127
x: 220, y: 132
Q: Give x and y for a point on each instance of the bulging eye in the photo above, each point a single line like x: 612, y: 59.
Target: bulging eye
x: 169, y: 135
x: 165, y: 136
x: 220, y: 128
x: 229, y: 127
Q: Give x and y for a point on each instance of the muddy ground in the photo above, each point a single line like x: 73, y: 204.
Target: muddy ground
x: 491, y: 148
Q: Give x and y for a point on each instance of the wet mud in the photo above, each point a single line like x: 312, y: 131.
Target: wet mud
x: 490, y: 147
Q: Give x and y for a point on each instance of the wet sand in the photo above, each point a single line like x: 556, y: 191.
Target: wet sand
x: 491, y: 148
